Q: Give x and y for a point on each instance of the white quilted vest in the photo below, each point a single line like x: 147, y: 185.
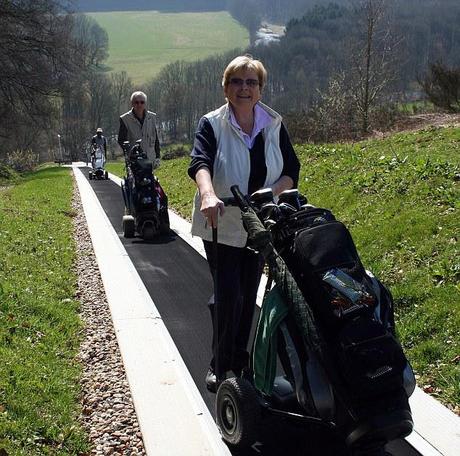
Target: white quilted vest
x: 232, y: 166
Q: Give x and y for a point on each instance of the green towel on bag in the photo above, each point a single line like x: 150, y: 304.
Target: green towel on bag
x: 273, y: 312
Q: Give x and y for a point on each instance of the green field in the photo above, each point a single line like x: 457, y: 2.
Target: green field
x: 142, y: 42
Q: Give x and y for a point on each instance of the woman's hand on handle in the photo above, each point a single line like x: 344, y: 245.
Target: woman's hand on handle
x: 211, y: 206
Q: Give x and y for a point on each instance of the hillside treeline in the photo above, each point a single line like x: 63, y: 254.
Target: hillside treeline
x: 328, y: 39
x: 96, y: 98
x: 251, y: 13
x: 182, y: 92
x: 39, y: 61
x: 337, y: 72
x: 53, y: 94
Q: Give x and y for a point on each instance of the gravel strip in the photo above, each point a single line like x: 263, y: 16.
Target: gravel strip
x: 107, y: 410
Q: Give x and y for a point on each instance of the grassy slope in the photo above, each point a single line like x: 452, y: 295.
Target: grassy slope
x: 142, y: 42
x: 400, y: 198
x: 39, y: 325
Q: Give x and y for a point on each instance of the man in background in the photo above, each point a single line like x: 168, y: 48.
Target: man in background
x: 98, y: 140
x: 139, y: 123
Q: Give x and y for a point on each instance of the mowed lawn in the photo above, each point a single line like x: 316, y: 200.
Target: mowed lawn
x: 142, y: 42
x: 40, y: 330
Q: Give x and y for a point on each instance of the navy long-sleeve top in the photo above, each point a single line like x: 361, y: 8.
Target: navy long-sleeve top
x: 205, y: 148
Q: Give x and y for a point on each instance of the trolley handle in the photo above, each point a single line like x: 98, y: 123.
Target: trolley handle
x: 230, y: 201
x: 240, y: 199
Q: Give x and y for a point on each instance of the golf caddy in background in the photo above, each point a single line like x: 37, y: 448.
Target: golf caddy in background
x: 146, y: 204
x: 97, y: 170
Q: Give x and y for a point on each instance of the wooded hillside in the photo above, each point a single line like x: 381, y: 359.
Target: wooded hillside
x: 338, y: 71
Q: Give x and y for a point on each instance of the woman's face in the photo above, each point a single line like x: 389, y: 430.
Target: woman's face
x: 243, y: 89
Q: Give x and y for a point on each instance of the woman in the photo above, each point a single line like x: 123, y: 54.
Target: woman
x: 244, y: 142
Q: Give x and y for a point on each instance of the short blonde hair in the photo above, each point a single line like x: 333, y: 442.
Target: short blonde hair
x: 245, y: 62
x: 138, y: 94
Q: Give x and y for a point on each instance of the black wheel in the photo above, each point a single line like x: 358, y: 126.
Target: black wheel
x: 237, y: 412
x: 128, y: 226
x: 148, y: 232
x: 371, y: 449
x: 164, y: 222
x: 90, y: 175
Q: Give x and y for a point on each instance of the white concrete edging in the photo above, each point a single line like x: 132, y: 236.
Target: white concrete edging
x: 172, y: 415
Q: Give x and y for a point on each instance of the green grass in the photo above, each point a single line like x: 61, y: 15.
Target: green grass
x: 7, y: 176
x: 415, y: 107
x: 116, y: 167
x: 400, y: 198
x: 39, y: 324
x: 143, y: 42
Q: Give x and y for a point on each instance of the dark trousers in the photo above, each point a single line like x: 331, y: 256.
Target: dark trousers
x: 238, y: 272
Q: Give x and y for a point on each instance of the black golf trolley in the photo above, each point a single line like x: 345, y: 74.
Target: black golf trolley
x: 146, y: 204
x: 325, y: 351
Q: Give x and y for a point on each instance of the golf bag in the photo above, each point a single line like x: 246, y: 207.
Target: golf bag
x: 97, y: 164
x: 146, y: 204
x: 337, y: 344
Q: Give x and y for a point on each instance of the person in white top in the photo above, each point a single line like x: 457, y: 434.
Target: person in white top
x: 244, y: 142
x: 140, y: 123
x: 99, y: 140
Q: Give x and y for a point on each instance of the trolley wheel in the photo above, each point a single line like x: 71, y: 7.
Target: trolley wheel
x: 128, y: 226
x: 106, y: 175
x: 90, y: 175
x: 237, y: 412
x: 164, y: 222
x: 148, y: 231
x: 371, y: 452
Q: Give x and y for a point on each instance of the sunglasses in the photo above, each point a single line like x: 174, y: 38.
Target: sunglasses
x: 139, y: 102
x: 240, y: 82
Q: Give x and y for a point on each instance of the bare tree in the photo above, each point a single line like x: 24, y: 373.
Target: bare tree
x: 75, y: 120
x: 86, y: 97
x: 373, y: 55
x: 334, y: 110
x: 101, y: 102
x: 122, y: 87
x: 92, y: 40
x: 34, y: 56
x: 44, y: 58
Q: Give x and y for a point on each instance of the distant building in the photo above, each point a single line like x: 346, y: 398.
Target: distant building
x: 266, y: 36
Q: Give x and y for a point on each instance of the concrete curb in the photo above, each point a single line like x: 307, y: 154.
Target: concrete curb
x: 171, y: 412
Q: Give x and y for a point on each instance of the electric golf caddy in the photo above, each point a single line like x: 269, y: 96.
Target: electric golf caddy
x: 328, y: 323
x: 146, y: 204
x: 97, y: 170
